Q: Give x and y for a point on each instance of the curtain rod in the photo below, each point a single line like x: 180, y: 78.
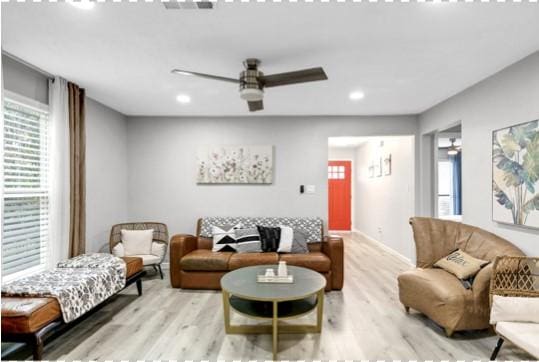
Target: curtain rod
x: 31, y: 66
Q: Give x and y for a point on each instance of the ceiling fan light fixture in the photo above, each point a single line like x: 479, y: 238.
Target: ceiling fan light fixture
x: 452, y: 150
x: 251, y: 94
x: 356, y: 96
x: 183, y: 98
x: 82, y: 4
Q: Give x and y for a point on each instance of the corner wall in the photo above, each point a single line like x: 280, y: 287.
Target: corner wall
x: 504, y: 99
x: 106, y: 173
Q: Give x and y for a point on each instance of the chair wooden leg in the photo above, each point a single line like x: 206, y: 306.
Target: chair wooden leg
x: 407, y: 309
x: 497, y: 349
x: 139, y: 286
x: 449, y: 332
x: 160, y: 271
x: 37, y: 348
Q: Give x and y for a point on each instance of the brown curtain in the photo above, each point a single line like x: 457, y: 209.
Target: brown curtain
x: 77, y: 165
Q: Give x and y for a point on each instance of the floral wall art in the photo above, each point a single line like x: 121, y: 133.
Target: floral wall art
x: 235, y: 165
x: 515, y: 174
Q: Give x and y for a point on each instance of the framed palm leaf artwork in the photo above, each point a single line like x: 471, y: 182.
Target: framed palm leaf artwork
x: 515, y: 175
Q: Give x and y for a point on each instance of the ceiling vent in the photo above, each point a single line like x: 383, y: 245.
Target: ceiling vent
x: 189, y: 4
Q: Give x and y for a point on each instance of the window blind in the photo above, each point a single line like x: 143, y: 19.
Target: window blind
x: 25, y: 218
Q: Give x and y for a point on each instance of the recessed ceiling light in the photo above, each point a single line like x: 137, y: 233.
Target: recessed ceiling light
x: 183, y: 98
x: 82, y: 4
x: 356, y: 96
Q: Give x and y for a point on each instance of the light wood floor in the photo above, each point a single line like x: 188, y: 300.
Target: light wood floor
x: 364, y: 321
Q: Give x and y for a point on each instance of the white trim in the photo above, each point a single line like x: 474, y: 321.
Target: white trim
x: 384, y: 246
x: 25, y: 273
x: 25, y: 101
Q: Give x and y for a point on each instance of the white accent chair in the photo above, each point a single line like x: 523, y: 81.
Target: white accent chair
x: 159, y: 242
x: 514, y: 298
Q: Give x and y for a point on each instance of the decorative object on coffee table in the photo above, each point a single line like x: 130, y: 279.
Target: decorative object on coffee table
x: 515, y: 175
x: 269, y: 301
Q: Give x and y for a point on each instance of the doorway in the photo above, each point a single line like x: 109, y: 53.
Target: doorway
x: 340, y: 195
x: 448, y: 156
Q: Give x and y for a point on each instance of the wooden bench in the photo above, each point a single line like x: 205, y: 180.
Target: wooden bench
x: 33, y: 319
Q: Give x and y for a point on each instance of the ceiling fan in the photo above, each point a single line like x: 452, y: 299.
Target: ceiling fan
x: 252, y: 81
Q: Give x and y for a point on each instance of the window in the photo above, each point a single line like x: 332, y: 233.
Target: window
x: 336, y: 172
x: 25, y: 195
x: 445, y: 185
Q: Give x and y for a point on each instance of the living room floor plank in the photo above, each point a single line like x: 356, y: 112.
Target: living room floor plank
x: 364, y: 321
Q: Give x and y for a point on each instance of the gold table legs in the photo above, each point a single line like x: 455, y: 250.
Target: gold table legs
x: 274, y: 329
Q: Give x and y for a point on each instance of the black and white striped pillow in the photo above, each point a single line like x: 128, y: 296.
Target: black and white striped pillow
x: 248, y: 241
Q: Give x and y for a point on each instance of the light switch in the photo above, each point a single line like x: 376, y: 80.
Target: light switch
x: 310, y: 189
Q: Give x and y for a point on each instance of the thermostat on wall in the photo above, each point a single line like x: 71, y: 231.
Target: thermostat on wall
x: 310, y: 189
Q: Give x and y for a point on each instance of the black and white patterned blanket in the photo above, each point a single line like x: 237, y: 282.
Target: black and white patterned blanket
x: 311, y: 226
x: 79, y: 284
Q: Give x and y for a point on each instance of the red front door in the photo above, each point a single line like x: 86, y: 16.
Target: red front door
x: 340, y: 195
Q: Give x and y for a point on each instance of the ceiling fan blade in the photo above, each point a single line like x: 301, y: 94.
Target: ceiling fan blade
x: 203, y: 75
x: 255, y: 106
x: 299, y: 76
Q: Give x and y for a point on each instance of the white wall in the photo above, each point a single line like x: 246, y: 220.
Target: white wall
x: 162, y: 164
x: 384, y: 204
x: 106, y: 173
x: 341, y: 153
x: 507, y: 98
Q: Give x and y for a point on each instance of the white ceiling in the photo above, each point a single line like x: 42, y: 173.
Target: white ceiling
x: 405, y: 57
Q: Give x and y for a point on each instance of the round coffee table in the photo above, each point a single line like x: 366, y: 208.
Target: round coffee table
x: 273, y: 301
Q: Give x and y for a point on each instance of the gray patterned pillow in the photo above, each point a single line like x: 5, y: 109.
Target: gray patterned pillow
x: 299, y: 244
x: 248, y: 241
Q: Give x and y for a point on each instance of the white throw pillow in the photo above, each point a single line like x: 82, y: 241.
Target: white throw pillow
x: 159, y: 249
x: 287, y: 238
x: 118, y: 250
x: 137, y: 242
x: 514, y: 309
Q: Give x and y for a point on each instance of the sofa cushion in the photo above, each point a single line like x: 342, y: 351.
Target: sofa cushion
x: 524, y: 335
x: 27, y: 315
x: 240, y: 260
x: 133, y: 265
x: 206, y: 260
x: 316, y: 261
x: 435, y: 292
x: 514, y: 309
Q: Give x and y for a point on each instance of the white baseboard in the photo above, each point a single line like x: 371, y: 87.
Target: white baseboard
x: 384, y: 246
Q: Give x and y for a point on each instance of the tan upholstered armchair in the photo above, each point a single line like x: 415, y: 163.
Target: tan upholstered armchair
x: 440, y: 295
x: 159, y: 244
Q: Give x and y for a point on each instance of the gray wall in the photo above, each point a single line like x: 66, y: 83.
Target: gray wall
x: 162, y: 164
x: 106, y: 173
x: 25, y: 81
x: 506, y: 98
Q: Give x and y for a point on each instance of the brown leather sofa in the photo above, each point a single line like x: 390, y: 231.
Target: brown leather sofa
x: 440, y: 295
x: 193, y: 265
